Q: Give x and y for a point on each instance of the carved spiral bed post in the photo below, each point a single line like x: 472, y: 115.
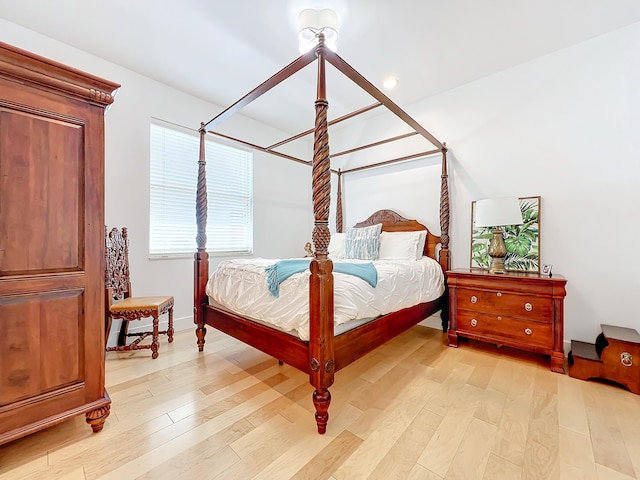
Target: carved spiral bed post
x: 339, y: 203
x: 321, y: 358
x: 444, y: 233
x: 444, y: 213
x: 201, y: 257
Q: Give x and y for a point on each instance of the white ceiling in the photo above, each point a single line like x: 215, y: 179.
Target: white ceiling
x: 219, y: 50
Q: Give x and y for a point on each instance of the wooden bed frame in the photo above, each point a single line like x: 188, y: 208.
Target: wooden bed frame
x: 324, y: 353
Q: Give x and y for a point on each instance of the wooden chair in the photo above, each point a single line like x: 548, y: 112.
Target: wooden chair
x: 120, y: 304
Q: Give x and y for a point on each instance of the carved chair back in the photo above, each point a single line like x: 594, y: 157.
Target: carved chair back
x: 117, y: 279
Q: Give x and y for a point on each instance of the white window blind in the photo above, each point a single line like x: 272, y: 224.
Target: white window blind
x: 173, y: 185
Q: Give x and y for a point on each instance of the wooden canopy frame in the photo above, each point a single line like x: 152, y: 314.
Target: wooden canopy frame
x: 324, y: 353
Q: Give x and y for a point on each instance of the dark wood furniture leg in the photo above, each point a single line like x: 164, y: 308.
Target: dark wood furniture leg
x: 96, y: 418
x: 322, y: 400
x: 155, y: 344
x: 124, y: 331
x: 170, y: 327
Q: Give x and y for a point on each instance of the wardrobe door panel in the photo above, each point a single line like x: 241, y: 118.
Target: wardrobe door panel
x: 41, y: 347
x: 41, y: 194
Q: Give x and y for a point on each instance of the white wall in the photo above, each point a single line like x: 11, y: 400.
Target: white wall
x: 564, y: 127
x: 281, y: 188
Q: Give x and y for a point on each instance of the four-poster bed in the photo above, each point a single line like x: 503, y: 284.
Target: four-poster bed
x: 325, y: 352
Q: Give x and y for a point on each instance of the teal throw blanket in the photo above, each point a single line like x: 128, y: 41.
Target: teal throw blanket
x: 283, y: 269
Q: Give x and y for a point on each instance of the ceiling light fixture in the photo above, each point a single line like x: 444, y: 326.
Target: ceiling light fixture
x: 390, y: 82
x: 312, y: 23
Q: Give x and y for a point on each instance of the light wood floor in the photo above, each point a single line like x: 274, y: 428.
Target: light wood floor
x: 412, y: 409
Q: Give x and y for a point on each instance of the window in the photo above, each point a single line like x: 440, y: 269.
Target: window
x: 173, y: 183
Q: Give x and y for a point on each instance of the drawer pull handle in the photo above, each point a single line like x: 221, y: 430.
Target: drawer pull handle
x: 474, y: 299
x: 626, y: 359
x: 474, y: 322
x: 499, y: 294
x: 528, y: 307
x: 528, y: 331
x: 499, y: 317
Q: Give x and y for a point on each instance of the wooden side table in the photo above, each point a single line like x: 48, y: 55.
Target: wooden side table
x: 520, y: 310
x: 611, y: 357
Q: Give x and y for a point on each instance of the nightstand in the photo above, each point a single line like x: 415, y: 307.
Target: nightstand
x: 520, y: 310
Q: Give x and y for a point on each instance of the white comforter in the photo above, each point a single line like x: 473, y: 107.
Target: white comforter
x: 241, y: 286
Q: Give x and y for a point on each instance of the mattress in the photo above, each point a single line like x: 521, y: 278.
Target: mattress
x: 240, y: 285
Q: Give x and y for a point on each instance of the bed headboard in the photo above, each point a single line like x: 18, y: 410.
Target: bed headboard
x: 393, y: 222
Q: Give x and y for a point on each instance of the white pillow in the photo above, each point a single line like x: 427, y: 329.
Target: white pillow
x: 337, y: 247
x: 406, y: 246
x: 363, y: 243
x: 421, y: 241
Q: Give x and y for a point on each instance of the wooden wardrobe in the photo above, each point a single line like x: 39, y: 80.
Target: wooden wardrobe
x: 51, y: 244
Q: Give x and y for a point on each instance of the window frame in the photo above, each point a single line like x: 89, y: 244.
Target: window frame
x: 160, y: 191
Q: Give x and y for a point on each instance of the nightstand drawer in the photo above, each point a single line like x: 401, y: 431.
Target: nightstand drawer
x: 506, y: 304
x: 489, y: 326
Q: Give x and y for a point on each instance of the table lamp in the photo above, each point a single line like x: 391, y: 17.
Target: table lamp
x: 496, y: 213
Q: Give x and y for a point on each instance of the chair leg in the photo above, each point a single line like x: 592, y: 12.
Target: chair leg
x: 155, y: 345
x: 122, y: 337
x: 170, y: 329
